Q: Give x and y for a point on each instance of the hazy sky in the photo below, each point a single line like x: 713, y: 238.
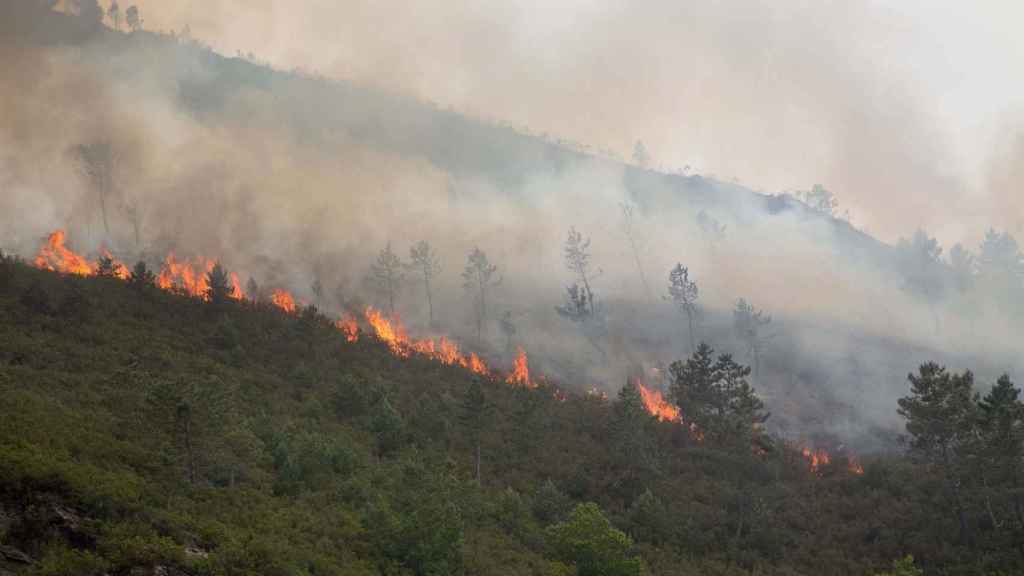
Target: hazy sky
x: 910, y: 111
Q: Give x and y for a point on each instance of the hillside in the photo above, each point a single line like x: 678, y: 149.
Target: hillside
x: 319, y: 111
x: 149, y: 432
x: 290, y: 178
x: 369, y: 335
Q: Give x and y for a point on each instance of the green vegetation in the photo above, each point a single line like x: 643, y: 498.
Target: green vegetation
x: 144, y: 429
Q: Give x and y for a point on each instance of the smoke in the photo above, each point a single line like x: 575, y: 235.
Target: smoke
x: 890, y: 107
x: 287, y: 183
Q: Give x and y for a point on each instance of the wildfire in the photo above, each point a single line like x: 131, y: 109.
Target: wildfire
x: 392, y: 332
x: 520, y: 375
x: 187, y: 277
x: 348, y: 327
x: 475, y: 364
x: 283, y: 300
x: 56, y: 256
x: 236, y: 287
x: 656, y: 404
x: 820, y: 457
x: 817, y: 458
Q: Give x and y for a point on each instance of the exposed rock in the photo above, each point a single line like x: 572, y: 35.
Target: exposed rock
x: 193, y: 551
x: 13, y: 555
x: 159, y: 571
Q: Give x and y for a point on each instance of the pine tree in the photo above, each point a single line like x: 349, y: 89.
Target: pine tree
x: 424, y: 260
x: 386, y: 275
x: 940, y: 415
x: 475, y: 414
x: 714, y: 394
x: 1001, y: 420
x: 133, y: 19
x: 141, y: 277
x: 580, y: 304
x: 630, y: 429
x: 478, y: 279
x: 7, y: 264
x: 106, y: 267
x: 748, y: 323
x: 252, y: 290
x: 218, y: 289
x: 683, y: 291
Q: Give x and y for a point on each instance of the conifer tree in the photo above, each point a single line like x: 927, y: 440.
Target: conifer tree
x: 475, y: 414
x: 141, y: 277
x: 218, y: 289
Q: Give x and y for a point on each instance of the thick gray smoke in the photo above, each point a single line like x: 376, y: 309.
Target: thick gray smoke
x: 289, y: 180
x: 893, y: 107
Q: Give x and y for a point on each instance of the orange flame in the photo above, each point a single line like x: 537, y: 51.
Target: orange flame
x: 817, y: 458
x: 283, y: 300
x: 236, y: 288
x: 820, y: 457
x: 55, y: 256
x: 348, y: 327
x: 189, y: 278
x: 656, y: 404
x: 119, y: 269
x: 392, y: 332
x: 475, y: 364
x: 520, y: 375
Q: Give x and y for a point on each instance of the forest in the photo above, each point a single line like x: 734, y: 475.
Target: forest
x: 257, y: 321
x: 166, y: 431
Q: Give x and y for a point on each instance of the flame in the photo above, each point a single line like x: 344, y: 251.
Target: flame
x: 236, y: 288
x: 191, y: 278
x: 181, y: 275
x: 656, y: 404
x: 187, y: 277
x: 348, y: 327
x: 283, y: 300
x: 520, y: 375
x: 392, y: 332
x: 120, y: 270
x: 476, y: 365
x: 55, y: 256
x: 817, y: 458
x: 820, y: 457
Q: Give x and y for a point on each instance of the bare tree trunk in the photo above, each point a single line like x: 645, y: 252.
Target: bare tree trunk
x: 639, y: 267
x: 483, y: 312
x: 430, y: 299
x: 391, y: 297
x: 103, y: 204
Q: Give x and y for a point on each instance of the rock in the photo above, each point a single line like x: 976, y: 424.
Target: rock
x: 67, y: 517
x: 14, y: 556
x: 158, y: 570
x: 193, y: 551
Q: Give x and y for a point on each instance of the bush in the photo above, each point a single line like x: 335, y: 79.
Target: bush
x: 78, y: 562
x: 590, y: 542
